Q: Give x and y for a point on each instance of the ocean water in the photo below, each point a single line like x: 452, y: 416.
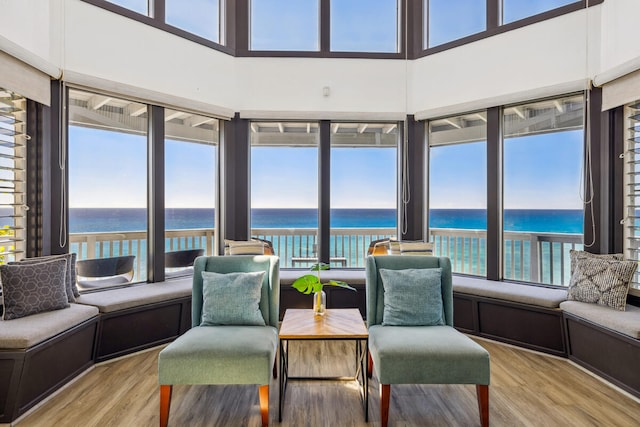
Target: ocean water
x: 85, y: 220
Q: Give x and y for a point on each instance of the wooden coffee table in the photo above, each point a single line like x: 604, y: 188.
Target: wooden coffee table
x: 336, y: 324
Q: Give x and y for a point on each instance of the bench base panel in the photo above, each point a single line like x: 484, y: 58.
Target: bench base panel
x: 536, y: 328
x: 610, y: 355
x: 29, y: 376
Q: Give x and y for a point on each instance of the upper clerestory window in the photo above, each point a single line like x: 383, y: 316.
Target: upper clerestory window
x: 365, y: 26
x: 139, y: 6
x: 199, y: 17
x: 285, y: 25
x: 448, y: 20
x: 514, y: 10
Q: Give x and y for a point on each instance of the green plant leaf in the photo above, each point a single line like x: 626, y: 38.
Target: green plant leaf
x: 340, y: 284
x: 307, y: 284
x: 320, y: 266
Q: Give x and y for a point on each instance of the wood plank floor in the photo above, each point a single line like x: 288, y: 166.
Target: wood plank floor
x: 527, y: 389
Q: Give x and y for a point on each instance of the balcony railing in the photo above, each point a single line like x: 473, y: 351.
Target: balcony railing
x: 531, y: 257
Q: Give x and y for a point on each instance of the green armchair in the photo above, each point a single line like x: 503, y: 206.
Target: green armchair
x: 421, y: 354
x: 225, y: 354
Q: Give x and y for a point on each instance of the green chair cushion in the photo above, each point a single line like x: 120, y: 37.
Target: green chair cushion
x: 427, y: 355
x: 220, y: 355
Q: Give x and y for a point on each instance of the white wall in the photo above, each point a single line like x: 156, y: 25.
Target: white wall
x: 33, y: 27
x: 108, y: 46
x: 295, y: 84
x: 619, y: 33
x: 548, y: 53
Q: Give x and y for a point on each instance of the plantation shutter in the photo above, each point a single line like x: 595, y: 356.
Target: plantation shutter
x: 13, y: 140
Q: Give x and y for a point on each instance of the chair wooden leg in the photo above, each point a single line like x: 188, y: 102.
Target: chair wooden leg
x: 165, y: 404
x: 369, y: 365
x: 385, y: 394
x: 264, y: 404
x: 275, y: 368
x: 483, y: 403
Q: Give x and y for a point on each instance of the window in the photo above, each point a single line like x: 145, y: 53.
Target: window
x: 13, y: 184
x: 632, y: 192
x: 363, y: 189
x: 139, y: 6
x: 108, y: 178
x: 191, y: 159
x: 513, y: 10
x: 447, y: 20
x: 285, y: 25
x: 543, y: 207
x: 358, y: 26
x: 284, y: 189
x: 458, y: 190
x: 200, y: 17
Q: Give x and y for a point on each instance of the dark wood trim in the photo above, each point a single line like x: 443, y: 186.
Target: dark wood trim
x: 616, y: 170
x: 325, y: 26
x: 415, y: 209
x: 324, y: 191
x: 235, y: 178
x: 494, y: 193
x: 36, y: 168
x: 241, y: 27
x: 155, y: 194
x: 157, y: 10
x: 494, y: 14
x: 413, y: 16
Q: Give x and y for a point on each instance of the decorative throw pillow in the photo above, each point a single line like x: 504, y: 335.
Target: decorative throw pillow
x: 576, y: 255
x: 601, y: 281
x: 70, y: 280
x: 412, y: 297
x: 416, y: 248
x: 249, y: 247
x: 33, y: 288
x: 231, y: 299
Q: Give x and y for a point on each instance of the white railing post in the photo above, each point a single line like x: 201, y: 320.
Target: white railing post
x: 534, y: 260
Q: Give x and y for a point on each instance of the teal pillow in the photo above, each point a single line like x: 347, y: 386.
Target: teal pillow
x: 412, y: 297
x: 231, y: 299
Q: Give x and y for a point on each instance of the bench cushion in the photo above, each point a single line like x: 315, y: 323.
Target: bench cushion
x: 352, y: 277
x: 134, y: 296
x: 28, y: 331
x: 626, y: 322
x: 525, y: 294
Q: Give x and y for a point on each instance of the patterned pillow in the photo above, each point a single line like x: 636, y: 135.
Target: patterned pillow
x: 70, y: 280
x: 576, y: 255
x: 601, y: 281
x: 250, y: 247
x: 33, y: 288
x: 231, y: 299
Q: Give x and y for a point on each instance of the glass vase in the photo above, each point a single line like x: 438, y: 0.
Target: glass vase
x: 319, y: 303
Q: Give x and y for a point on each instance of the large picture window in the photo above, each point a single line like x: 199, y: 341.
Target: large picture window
x: 284, y: 189
x: 363, y: 189
x: 458, y: 190
x: 191, y: 158
x: 632, y: 190
x: 108, y: 180
x: 543, y: 206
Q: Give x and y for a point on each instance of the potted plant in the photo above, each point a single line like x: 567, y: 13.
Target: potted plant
x: 311, y: 283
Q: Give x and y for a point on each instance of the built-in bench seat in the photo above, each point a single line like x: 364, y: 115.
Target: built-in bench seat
x: 605, y: 341
x: 524, y: 315
x: 40, y: 353
x: 141, y: 316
